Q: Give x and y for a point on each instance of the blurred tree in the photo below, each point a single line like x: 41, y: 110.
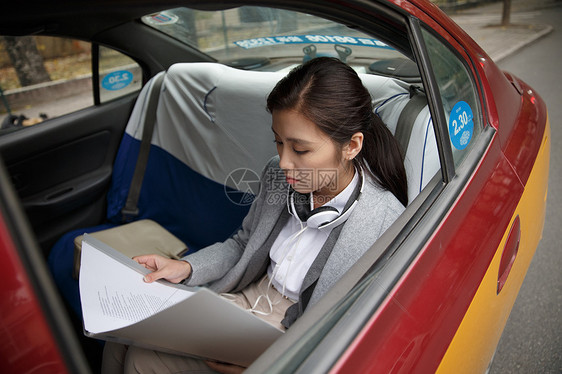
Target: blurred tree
x: 26, y: 60
x: 506, y: 12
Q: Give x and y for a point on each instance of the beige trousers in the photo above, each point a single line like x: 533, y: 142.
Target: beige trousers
x: 119, y: 358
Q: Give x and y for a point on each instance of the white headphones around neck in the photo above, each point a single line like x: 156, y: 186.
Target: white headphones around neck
x: 324, y: 217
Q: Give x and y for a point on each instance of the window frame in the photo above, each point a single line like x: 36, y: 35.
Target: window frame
x: 449, y: 170
x: 96, y: 73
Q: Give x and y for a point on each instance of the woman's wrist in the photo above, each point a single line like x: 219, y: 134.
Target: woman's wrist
x: 189, y: 271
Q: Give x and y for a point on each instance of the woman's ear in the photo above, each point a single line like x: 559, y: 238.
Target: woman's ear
x: 354, y: 146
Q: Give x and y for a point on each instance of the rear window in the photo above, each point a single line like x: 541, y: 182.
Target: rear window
x: 268, y: 39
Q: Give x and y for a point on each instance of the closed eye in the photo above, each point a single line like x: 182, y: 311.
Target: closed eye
x: 279, y: 143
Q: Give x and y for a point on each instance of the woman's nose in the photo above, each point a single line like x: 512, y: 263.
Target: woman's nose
x: 285, y: 161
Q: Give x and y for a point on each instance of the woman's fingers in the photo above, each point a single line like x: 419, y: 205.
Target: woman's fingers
x: 148, y: 261
x: 164, y: 268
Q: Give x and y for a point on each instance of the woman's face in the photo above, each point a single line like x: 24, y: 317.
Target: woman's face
x: 311, y: 161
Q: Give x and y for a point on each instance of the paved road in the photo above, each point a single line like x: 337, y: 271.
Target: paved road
x: 532, y: 339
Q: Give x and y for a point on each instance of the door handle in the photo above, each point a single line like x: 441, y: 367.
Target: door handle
x: 509, y: 253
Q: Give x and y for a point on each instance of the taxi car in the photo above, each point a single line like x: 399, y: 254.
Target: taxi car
x: 432, y: 294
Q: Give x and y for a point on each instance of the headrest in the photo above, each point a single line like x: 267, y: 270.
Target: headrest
x: 214, y: 119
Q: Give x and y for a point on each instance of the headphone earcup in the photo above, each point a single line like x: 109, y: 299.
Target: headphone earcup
x: 299, y: 205
x: 322, y: 215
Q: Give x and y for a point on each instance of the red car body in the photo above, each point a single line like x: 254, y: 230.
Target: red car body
x: 28, y: 345
x: 409, y: 333
x: 445, y: 310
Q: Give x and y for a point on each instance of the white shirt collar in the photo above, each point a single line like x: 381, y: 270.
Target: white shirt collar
x: 340, y: 200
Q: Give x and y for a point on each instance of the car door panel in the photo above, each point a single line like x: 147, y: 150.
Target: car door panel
x: 83, y: 146
x: 483, y: 323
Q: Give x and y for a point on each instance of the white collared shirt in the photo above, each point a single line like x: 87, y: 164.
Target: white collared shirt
x: 295, y: 249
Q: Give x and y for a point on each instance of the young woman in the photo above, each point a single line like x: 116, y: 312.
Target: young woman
x: 336, y: 186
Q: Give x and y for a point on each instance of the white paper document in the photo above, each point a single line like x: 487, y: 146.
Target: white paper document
x: 118, y: 305
x: 114, y: 295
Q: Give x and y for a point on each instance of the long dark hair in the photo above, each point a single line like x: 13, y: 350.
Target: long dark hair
x: 330, y: 93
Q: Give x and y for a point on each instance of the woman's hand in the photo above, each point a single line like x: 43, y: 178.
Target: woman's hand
x: 225, y: 368
x: 164, y: 268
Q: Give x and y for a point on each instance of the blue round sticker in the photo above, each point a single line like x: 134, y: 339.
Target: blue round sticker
x: 117, y: 80
x: 461, y: 125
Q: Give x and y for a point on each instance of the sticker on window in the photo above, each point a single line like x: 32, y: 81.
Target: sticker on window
x: 160, y: 19
x: 461, y: 125
x: 117, y: 80
x: 307, y: 39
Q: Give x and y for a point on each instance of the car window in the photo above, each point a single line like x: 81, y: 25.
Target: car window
x: 119, y: 74
x: 44, y: 77
x: 458, y: 95
x: 266, y: 38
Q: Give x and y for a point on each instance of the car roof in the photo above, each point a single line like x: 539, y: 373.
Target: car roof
x: 80, y: 19
x: 87, y: 18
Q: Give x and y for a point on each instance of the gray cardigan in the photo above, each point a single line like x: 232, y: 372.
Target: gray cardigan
x: 232, y: 265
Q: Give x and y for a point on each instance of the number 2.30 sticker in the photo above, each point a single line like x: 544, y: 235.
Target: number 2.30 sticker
x: 461, y: 125
x: 117, y: 80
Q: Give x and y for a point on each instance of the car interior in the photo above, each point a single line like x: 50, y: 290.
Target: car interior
x: 72, y: 173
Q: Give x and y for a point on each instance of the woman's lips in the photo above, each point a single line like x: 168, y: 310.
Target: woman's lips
x: 291, y: 180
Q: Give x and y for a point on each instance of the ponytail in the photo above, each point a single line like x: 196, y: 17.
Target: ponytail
x: 382, y: 156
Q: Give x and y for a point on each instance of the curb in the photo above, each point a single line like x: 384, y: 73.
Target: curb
x: 516, y: 47
x: 460, y: 5
x: 19, y: 98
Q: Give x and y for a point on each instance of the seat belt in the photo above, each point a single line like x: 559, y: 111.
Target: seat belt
x: 131, y: 210
x: 408, y: 117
